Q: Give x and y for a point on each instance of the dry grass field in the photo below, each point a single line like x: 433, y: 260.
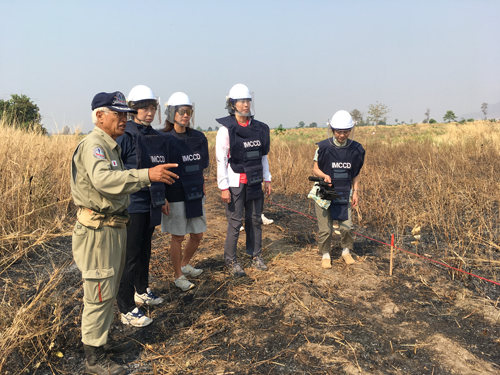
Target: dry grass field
x: 35, y: 191
x: 297, y: 317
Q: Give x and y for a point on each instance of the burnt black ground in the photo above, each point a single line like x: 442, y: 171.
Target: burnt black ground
x: 341, y: 325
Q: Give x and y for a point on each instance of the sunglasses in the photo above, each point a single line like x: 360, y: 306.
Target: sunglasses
x: 184, y: 111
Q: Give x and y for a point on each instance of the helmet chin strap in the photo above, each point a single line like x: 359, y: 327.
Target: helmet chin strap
x: 182, y: 126
x: 138, y: 120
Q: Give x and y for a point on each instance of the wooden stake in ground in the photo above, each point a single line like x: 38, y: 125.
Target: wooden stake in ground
x: 392, y: 251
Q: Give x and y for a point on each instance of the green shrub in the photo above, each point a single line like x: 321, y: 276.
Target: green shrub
x: 279, y: 130
x: 20, y: 111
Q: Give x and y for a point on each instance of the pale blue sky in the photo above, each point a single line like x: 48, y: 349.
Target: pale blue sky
x: 304, y: 60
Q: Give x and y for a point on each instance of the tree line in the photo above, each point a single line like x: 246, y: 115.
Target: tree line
x: 22, y: 112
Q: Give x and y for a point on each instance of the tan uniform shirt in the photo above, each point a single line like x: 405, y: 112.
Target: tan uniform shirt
x: 99, y: 180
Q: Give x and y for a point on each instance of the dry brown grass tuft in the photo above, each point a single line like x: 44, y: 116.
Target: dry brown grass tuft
x: 35, y: 190
x: 31, y: 326
x: 447, y: 184
x: 35, y: 196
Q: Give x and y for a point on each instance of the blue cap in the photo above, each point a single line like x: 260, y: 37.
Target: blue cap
x: 114, y: 100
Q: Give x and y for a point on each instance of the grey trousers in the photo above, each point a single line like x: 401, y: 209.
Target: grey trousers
x: 253, y: 223
x: 325, y: 233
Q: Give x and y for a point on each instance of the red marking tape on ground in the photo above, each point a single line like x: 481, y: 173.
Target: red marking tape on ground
x: 406, y: 251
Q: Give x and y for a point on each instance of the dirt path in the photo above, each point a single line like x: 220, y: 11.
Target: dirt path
x: 298, y: 317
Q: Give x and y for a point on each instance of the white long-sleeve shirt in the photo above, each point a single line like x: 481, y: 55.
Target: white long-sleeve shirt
x: 226, y: 177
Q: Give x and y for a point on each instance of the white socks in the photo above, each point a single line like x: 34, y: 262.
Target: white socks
x: 326, y: 256
x: 345, y: 251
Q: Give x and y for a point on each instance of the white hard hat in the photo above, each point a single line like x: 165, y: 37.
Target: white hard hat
x: 341, y: 120
x: 239, y: 91
x: 140, y: 92
x: 178, y: 98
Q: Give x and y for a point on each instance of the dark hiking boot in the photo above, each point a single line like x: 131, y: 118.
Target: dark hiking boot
x: 99, y: 364
x: 118, y: 347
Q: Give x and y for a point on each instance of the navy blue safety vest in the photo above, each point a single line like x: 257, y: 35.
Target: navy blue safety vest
x: 342, y: 164
x: 247, y: 145
x: 191, y: 153
x: 151, y: 150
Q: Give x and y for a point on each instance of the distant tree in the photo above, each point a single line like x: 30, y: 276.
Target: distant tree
x: 301, y: 124
x: 209, y: 129
x: 425, y: 121
x: 279, y: 130
x: 357, y: 116
x: 396, y: 120
x: 216, y: 128
x: 21, y: 111
x: 377, y: 112
x: 381, y: 123
x: 432, y: 121
x: 484, y: 109
x: 313, y: 125
x: 66, y: 131
x: 427, y: 115
x: 199, y: 129
x: 470, y: 120
x: 449, y: 116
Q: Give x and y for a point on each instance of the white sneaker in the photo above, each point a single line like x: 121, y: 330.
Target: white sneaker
x: 242, y: 228
x: 136, y: 318
x: 183, y: 283
x: 148, y: 298
x: 266, y: 221
x: 191, y: 271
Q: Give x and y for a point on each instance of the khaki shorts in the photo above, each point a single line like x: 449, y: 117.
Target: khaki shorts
x: 177, y: 224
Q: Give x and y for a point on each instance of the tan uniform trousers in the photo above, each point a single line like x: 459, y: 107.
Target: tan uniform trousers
x: 100, y: 255
x: 325, y: 234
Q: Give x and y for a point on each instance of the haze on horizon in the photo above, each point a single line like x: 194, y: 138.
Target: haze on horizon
x: 303, y: 60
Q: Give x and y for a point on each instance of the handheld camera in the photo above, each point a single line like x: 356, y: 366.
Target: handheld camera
x: 325, y: 191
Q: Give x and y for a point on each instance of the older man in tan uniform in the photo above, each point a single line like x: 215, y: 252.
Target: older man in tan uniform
x: 100, y: 186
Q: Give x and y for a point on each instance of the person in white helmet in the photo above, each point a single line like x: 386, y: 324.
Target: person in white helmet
x: 184, y: 210
x: 141, y: 146
x: 338, y: 160
x: 242, y: 145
